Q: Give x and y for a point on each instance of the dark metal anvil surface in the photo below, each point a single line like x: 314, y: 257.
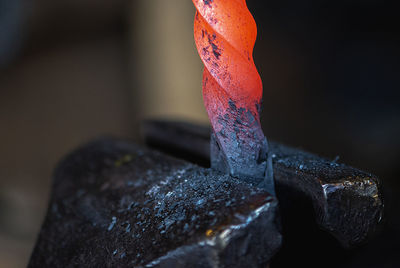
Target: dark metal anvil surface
x: 347, y: 202
x: 115, y: 203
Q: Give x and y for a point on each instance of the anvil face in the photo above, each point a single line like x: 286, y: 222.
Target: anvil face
x: 115, y: 203
x: 347, y: 202
x: 118, y: 204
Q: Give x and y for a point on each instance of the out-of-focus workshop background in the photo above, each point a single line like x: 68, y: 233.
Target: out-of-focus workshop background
x: 72, y: 70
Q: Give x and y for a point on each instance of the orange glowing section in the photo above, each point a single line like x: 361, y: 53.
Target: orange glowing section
x: 225, y: 33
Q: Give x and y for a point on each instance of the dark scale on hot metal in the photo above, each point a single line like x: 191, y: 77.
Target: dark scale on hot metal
x: 247, y: 155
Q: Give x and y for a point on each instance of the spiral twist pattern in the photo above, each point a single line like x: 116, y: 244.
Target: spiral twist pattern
x: 225, y: 33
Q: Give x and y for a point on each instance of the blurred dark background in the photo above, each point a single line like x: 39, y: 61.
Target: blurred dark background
x: 73, y: 70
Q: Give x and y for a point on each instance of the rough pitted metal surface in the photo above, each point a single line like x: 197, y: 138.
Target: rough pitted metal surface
x: 348, y: 203
x: 116, y: 204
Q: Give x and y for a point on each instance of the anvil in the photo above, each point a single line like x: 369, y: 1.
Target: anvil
x: 347, y: 202
x: 118, y: 204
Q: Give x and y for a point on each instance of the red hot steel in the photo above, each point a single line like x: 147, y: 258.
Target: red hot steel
x: 225, y: 33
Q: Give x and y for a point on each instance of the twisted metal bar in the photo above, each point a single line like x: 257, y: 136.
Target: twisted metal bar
x: 225, y: 33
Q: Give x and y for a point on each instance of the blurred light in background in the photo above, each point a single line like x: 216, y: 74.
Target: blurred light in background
x: 169, y: 71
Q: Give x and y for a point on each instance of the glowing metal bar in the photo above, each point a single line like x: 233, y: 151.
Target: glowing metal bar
x: 225, y: 33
